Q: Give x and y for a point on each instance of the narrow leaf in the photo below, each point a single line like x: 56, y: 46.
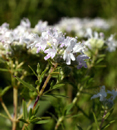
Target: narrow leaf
x: 79, y: 127
x: 34, y: 120
x: 106, y: 126
x: 95, y: 120
x: 30, y: 113
x: 99, y: 60
x: 32, y: 70
x: 5, y: 90
x: 24, y: 109
x: 23, y: 120
x: 43, y: 74
x: 57, y: 86
x: 2, y: 115
x: 42, y: 122
x: 100, y: 65
x: 69, y: 107
x: 38, y: 69
x: 26, y: 128
x: 36, y: 110
x: 29, y: 86
x: 1, y: 69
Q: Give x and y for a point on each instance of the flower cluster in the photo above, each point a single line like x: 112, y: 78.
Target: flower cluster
x: 104, y: 94
x: 53, y: 43
x: 79, y: 25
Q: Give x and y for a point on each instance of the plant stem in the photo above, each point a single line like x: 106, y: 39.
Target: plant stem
x: 103, y: 119
x: 47, y: 80
x: 77, y: 95
x: 15, y: 100
x: 44, y: 85
x: 5, y: 109
x: 59, y: 122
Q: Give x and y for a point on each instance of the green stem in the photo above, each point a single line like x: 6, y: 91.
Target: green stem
x: 93, y: 59
x: 5, y: 109
x: 103, y: 119
x: 77, y: 95
x: 44, y: 85
x: 47, y: 80
x: 59, y: 122
x: 15, y: 100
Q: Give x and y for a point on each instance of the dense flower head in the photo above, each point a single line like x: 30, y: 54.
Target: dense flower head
x: 54, y: 43
x: 95, y: 40
x: 79, y: 25
x: 41, y: 26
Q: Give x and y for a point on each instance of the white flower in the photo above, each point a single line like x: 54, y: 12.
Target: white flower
x: 95, y: 40
x: 25, y: 23
x: 41, y: 26
x: 68, y: 54
x: 51, y: 52
x: 102, y: 94
x: 111, y: 43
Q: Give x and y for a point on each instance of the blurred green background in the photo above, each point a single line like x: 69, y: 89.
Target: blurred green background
x: 12, y: 11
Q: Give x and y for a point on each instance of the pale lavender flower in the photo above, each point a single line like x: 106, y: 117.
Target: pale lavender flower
x: 111, y: 43
x: 51, y: 52
x: 30, y: 39
x: 41, y: 45
x: 41, y: 26
x: 25, y: 23
x: 102, y: 94
x: 7, y: 39
x: 79, y: 47
x: 114, y: 94
x: 81, y: 61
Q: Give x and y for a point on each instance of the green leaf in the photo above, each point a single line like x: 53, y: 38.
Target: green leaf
x: 95, y: 120
x: 26, y: 128
x: 101, y: 55
x: 23, y: 120
x: 32, y: 117
x: 29, y: 86
x: 106, y: 126
x: 36, y: 110
x: 2, y: 115
x: 42, y: 121
x: 38, y: 69
x: 55, y: 74
x: 54, y: 87
x: 32, y: 70
x: 43, y: 74
x: 57, y: 86
x: 34, y: 120
x: 1, y: 69
x: 79, y: 127
x: 69, y: 107
x: 100, y: 66
x: 99, y: 60
x: 30, y: 113
x: 5, y: 90
x: 108, y: 113
x: 24, y: 109
x: 56, y: 95
x: 75, y: 115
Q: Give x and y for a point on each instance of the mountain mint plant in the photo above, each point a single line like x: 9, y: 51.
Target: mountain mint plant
x: 50, y: 75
